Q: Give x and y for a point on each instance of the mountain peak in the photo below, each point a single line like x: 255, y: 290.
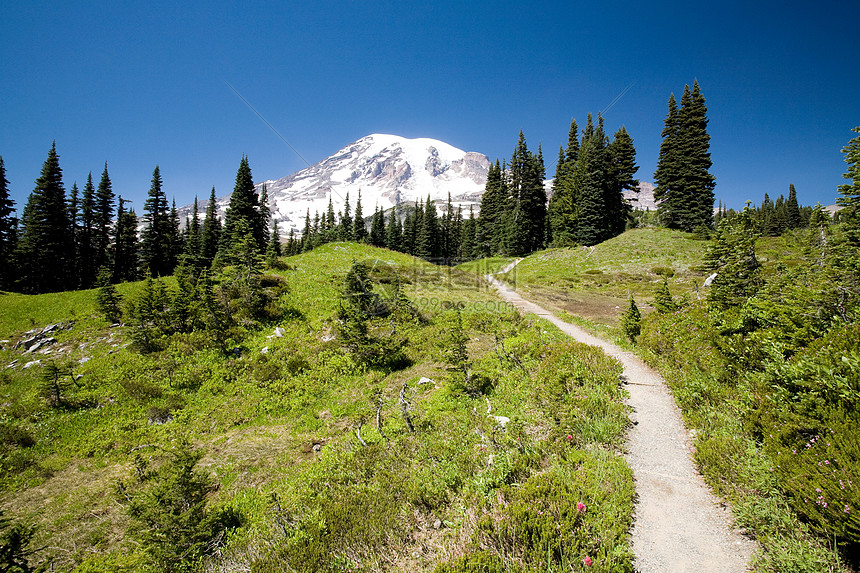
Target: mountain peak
x: 388, y: 170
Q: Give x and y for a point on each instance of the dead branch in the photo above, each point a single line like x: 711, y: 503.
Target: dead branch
x: 358, y: 435
x: 379, y: 420
x: 404, y: 408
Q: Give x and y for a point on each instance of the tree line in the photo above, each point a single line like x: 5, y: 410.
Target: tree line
x: 67, y: 241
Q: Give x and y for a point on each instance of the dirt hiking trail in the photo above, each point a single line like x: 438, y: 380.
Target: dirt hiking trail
x: 678, y: 525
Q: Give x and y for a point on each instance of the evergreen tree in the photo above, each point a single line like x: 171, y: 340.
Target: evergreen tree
x: 685, y: 187
x: 668, y: 192
x: 330, y: 221
x: 156, y: 236
x: 7, y: 231
x: 394, y: 232
x: 125, y: 255
x: 631, y: 320
x: 489, y: 227
x: 306, y: 234
x: 468, y: 243
x: 74, y: 236
x: 273, y: 250
x: 108, y: 301
x: 663, y: 301
x: 622, y: 167
x: 588, y: 180
x: 792, y: 208
x: 85, y: 251
x: 377, y: 228
x: 210, y: 233
x: 265, y: 213
x: 177, y: 241
x: 102, y: 216
x: 345, y: 232
x: 732, y: 256
x: 43, y: 251
x: 193, y: 240
x: 850, y: 192
x: 427, y: 245
x: 359, y: 232
x: 244, y: 206
x: 526, y: 226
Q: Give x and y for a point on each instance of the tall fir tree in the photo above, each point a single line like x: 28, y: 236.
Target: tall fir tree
x: 488, y: 232
x: 345, y: 229
x: 155, y: 236
x: 524, y: 229
x: 359, y: 231
x: 265, y: 213
x: 8, y: 224
x: 792, y: 208
x: 87, y: 270
x: 850, y: 192
x: 274, y: 250
x: 394, y: 231
x: 74, y: 235
x: 685, y: 186
x: 588, y: 180
x: 43, y: 251
x: 622, y: 168
x: 427, y: 244
x: 177, y: 240
x: 210, y: 233
x: 244, y: 207
x: 102, y: 217
x: 125, y: 259
x: 377, y: 228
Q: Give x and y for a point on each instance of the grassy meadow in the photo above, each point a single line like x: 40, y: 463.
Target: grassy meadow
x: 310, y: 459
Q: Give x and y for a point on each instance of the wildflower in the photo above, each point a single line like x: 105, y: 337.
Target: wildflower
x: 587, y: 561
x: 847, y: 509
x: 580, y: 507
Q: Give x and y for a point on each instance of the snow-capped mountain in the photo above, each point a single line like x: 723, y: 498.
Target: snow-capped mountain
x: 643, y: 199
x: 388, y: 170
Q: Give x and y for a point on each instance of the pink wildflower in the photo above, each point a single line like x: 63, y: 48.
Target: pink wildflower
x: 587, y: 561
x: 580, y: 507
x: 847, y: 509
x: 569, y: 437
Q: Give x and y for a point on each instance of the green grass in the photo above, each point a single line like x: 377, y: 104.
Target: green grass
x: 258, y: 415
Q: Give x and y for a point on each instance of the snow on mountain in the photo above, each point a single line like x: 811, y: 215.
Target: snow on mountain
x: 388, y: 169
x: 643, y: 199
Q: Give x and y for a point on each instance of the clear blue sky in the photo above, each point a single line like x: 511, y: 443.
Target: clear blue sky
x: 140, y: 84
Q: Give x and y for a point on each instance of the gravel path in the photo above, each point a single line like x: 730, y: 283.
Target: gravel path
x: 679, y: 525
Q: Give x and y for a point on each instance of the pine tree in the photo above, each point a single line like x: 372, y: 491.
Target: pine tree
x: 631, y: 320
x: 663, y: 301
x: 588, y: 180
x: 211, y: 232
x: 394, y: 232
x: 193, y: 240
x: 125, y: 255
x: 850, y: 192
x: 527, y: 223
x: 359, y: 231
x: 43, y: 251
x: 85, y: 250
x: 330, y: 221
x: 377, y: 228
x: 685, y: 186
x: 74, y: 236
x: 108, y: 301
x: 668, y: 192
x: 156, y: 236
x: 244, y: 206
x: 732, y: 256
x: 621, y: 155
x: 345, y: 231
x: 793, y: 218
x: 7, y: 231
x: 102, y: 216
x: 468, y: 242
x: 273, y: 250
x: 177, y: 241
x: 265, y: 213
x: 427, y: 246
x: 306, y: 234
